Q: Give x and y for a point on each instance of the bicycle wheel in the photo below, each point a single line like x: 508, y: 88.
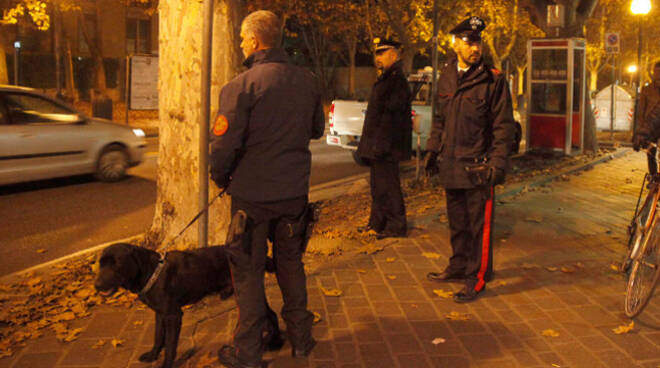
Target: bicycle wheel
x: 645, y: 272
x: 638, y: 228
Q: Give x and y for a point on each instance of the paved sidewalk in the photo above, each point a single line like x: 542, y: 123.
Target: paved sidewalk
x: 553, y: 250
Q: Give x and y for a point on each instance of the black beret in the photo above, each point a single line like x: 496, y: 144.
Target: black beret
x: 385, y: 44
x: 469, y: 29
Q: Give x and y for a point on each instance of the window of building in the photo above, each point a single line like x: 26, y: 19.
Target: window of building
x: 138, y: 36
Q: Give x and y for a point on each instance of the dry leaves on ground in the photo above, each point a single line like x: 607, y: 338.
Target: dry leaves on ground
x: 443, y: 294
x: 98, y: 344
x: 331, y: 292
x: 370, y: 248
x: 550, y: 333
x: 456, y: 316
x: 624, y: 329
x: 51, y: 301
x: 438, y: 340
x: 431, y: 255
x: 390, y: 259
x: 116, y: 343
x: 551, y: 268
x: 317, y: 317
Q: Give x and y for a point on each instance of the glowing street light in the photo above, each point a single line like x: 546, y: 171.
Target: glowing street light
x: 640, y: 8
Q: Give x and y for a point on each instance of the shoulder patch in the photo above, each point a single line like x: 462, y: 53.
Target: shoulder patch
x: 496, y: 71
x: 220, y: 126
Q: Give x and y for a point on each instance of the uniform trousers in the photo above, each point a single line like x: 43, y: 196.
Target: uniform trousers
x: 280, y: 222
x: 388, y: 211
x: 470, y: 213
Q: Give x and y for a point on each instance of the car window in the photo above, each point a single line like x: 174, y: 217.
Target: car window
x: 25, y: 109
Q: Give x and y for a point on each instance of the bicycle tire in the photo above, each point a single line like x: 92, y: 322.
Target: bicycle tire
x: 644, y: 212
x: 643, y: 277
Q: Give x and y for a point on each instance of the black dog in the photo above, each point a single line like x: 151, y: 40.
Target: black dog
x: 184, y: 278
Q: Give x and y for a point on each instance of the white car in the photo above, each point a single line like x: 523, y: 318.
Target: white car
x: 347, y: 117
x: 43, y: 138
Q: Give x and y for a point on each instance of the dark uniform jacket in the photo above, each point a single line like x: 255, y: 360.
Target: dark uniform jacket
x: 388, y: 123
x: 648, y: 112
x: 473, y: 122
x: 260, y: 140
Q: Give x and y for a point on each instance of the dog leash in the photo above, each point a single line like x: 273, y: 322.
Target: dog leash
x: 161, y: 261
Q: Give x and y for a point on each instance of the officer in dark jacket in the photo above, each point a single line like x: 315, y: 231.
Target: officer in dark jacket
x: 470, y: 142
x: 648, y: 117
x: 260, y: 153
x: 386, y: 139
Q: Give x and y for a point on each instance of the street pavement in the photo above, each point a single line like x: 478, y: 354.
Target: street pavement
x: 554, y: 302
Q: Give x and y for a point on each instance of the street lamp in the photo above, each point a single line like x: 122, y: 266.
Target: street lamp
x: 641, y: 8
x: 632, y: 69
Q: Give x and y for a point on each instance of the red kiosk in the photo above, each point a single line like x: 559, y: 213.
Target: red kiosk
x: 555, y: 95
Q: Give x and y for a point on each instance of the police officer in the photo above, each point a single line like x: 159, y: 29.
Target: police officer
x: 260, y: 153
x: 471, y: 137
x: 386, y: 139
x: 648, y: 117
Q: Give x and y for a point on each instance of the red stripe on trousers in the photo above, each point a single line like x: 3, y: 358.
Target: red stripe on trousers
x: 485, y: 244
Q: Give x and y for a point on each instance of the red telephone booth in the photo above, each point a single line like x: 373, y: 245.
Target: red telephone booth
x: 555, y: 95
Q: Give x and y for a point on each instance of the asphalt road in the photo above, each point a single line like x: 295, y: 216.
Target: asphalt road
x: 45, y: 220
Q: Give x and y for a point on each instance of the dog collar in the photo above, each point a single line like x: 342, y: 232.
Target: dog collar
x: 154, y: 276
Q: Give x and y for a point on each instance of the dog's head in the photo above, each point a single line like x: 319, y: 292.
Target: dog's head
x: 117, y: 267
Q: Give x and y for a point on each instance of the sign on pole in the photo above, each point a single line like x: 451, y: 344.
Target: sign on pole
x: 143, y: 83
x: 612, y: 42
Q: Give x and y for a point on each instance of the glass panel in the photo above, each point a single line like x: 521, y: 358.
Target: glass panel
x: 578, y: 59
x: 549, y: 64
x: 549, y: 98
x: 25, y: 109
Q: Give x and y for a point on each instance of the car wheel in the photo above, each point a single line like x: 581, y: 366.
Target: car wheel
x: 357, y: 159
x: 112, y: 164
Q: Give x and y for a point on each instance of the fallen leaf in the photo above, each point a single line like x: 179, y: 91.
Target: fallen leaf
x: 567, y: 269
x: 331, y: 292
x: 116, y: 342
x: 579, y: 265
x: 551, y: 268
x: 390, y: 259
x: 431, y: 255
x: 556, y: 365
x: 138, y: 323
x: 317, y: 317
x: 537, y: 219
x: 391, y: 277
x: 33, y: 281
x: 624, y: 329
x: 443, y: 294
x: 370, y: 248
x: 529, y: 266
x: 41, y: 251
x: 455, y: 316
x: 5, y: 353
x: 425, y: 236
x: 550, y: 333
x: 438, y: 340
x: 98, y: 344
x: 359, y: 270
x: 614, y: 267
x: 497, y: 283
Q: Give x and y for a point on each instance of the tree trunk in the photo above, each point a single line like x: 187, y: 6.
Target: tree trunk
x: 179, y: 88
x: 407, y: 56
x: 593, y: 80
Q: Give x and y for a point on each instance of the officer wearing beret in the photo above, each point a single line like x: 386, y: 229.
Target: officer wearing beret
x: 260, y: 153
x: 386, y: 139
x: 471, y: 138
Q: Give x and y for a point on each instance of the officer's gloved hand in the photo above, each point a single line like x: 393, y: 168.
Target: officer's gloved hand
x: 640, y: 141
x: 496, y: 176
x: 431, y: 164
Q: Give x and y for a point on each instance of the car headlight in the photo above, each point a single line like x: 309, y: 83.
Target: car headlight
x: 138, y: 132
